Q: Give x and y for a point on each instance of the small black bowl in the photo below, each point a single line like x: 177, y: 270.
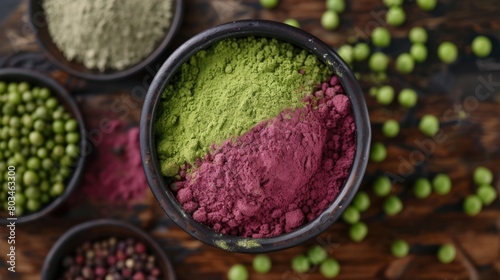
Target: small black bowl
x: 282, y: 32
x: 35, y: 79
x: 39, y: 25
x: 100, y: 229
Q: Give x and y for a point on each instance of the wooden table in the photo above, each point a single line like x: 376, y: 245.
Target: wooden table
x: 471, y: 128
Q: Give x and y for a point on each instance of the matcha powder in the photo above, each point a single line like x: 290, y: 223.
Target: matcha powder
x: 225, y: 90
x: 107, y: 34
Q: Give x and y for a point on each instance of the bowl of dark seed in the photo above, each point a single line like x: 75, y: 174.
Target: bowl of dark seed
x: 109, y: 250
x: 104, y: 40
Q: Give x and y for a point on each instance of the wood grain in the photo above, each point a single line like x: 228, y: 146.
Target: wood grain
x: 470, y: 136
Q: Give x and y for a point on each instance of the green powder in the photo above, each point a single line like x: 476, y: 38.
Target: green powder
x: 107, y: 34
x: 225, y: 90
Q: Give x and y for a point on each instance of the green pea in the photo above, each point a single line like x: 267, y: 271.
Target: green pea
x: 472, y: 205
x: 447, y: 52
x: 42, y: 153
x: 373, y: 91
x: 351, y: 215
x: 21, y: 109
x: 385, y: 95
x: 330, y: 20
x: 446, y: 253
x: 395, y: 16
x: 19, y: 210
x: 59, y: 139
x: 33, y: 163
x: 66, y: 161
x: 44, y: 186
x: 346, y: 53
x: 381, y: 37
x: 399, y: 248
x: 20, y: 199
x: 30, y: 107
x: 418, y: 52
x: 27, y: 97
x: 12, y: 87
x: 361, y: 52
x: 3, y: 87
x: 30, y: 178
x: 9, y: 109
x: 36, y: 138
x: 33, y: 205
x: 361, y: 201
x: 58, y: 151
x: 358, y: 232
x: 39, y: 125
x: 27, y: 121
x: 405, y: 63
x: 337, y: 6
x: 49, y: 144
x: 261, y: 264
x: 292, y: 22
x: 429, y: 125
x: 390, y: 128
x: 57, y: 115
x: 44, y: 198
x: 441, y: 184
x: 487, y: 194
x: 72, y: 150
x: 317, y: 254
x: 382, y: 186
x: 482, y: 175
x: 40, y: 113
x: 44, y: 93
x: 427, y: 5
x: 14, y: 145
x: 330, y: 268
x: 407, y: 98
x: 393, y: 205
x: 72, y: 138
x: 14, y: 121
x: 23, y: 86
x: 31, y: 193
x: 422, y: 188
x: 378, y: 152
x: 71, y: 125
x: 301, y: 264
x: 51, y: 103
x: 269, y: 4
x: 378, y: 62
x: 418, y: 35
x: 57, y: 189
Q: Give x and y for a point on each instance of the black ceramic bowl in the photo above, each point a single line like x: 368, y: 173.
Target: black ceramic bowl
x: 35, y: 79
x: 39, y: 25
x: 157, y: 182
x: 101, y: 229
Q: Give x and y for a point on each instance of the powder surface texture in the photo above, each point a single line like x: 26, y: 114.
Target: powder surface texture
x: 225, y: 90
x: 115, y: 173
x: 279, y: 175
x: 106, y: 34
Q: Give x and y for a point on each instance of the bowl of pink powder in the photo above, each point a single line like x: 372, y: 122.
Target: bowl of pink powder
x: 254, y: 136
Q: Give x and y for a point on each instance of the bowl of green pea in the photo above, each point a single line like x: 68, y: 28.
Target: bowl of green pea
x: 42, y: 145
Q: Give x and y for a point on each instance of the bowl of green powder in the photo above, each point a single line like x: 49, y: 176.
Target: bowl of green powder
x: 254, y: 136
x: 104, y: 39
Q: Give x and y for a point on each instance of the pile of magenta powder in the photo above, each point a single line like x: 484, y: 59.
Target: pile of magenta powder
x: 278, y: 176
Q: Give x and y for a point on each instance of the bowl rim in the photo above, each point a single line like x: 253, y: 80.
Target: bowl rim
x: 35, y: 10
x: 282, y: 32
x: 127, y: 227
x: 60, y: 93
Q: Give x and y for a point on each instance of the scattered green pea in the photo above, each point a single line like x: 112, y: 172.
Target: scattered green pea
x: 400, y: 248
x: 358, y: 232
x: 481, y: 46
x: 378, y: 152
x: 317, y: 254
x: 330, y: 20
x: 301, y: 264
x: 361, y: 201
x: 447, y: 52
x: 407, y: 98
x: 482, y: 176
x: 393, y: 205
x: 446, y: 253
x: 393, y: 3
x: 382, y: 186
x: 429, y: 125
x: 395, y: 16
x: 441, y: 184
x: 71, y: 125
x: 337, y: 6
x: 487, y: 194
x: 385, y: 95
x: 361, y: 51
x: 33, y: 205
x: 346, y: 53
x: 261, y: 264
x: 378, y: 62
x: 419, y: 52
x: 351, y: 215
x: 422, y: 188
x: 373, y: 91
x: 418, y: 35
x: 269, y: 4
x: 472, y: 205
x: 292, y: 22
x: 3, y: 87
x: 237, y: 271
x: 381, y: 37
x: 390, y: 128
x: 427, y: 5
x: 405, y: 63
x: 330, y: 268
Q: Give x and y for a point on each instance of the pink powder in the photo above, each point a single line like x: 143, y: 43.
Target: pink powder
x: 279, y: 175
x: 114, y: 171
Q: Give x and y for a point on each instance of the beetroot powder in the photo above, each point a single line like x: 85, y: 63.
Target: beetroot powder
x: 279, y: 175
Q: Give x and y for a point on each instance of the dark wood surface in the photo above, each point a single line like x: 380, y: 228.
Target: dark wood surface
x: 469, y: 139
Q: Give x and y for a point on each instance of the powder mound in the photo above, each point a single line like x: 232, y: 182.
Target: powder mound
x: 277, y: 176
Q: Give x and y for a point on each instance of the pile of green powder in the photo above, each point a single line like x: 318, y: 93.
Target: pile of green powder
x: 225, y: 90
x: 107, y: 34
